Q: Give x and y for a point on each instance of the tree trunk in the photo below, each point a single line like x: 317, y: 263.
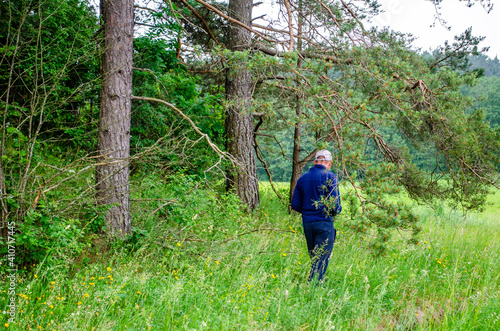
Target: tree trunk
x: 239, y: 124
x: 112, y: 173
x: 297, y: 165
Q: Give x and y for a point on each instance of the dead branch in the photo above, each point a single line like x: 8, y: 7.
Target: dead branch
x: 267, y: 28
x: 218, y: 12
x: 258, y: 17
x: 274, y: 52
x: 206, y: 28
x: 144, y: 24
x: 146, y: 8
x: 352, y: 14
x: 214, y: 147
x: 171, y: 202
x: 334, y: 18
x: 481, y: 178
x: 275, y: 139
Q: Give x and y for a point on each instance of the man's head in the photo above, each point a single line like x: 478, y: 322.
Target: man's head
x: 323, y: 157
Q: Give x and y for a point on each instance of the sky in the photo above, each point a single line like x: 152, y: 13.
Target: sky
x: 417, y: 16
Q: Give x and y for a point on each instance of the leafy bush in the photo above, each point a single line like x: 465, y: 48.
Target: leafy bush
x: 160, y: 75
x: 165, y: 211
x: 45, y: 238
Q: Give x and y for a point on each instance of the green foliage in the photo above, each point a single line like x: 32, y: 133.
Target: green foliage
x: 95, y: 216
x: 15, y: 157
x: 48, y: 68
x: 457, y: 55
x: 162, y: 76
x: 184, y: 200
x: 156, y: 55
x: 487, y: 92
x: 52, y: 47
x: 44, y: 238
x: 394, y: 121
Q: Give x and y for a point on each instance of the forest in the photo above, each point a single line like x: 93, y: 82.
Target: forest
x: 150, y: 151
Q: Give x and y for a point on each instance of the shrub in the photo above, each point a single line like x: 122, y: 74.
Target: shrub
x: 45, y: 238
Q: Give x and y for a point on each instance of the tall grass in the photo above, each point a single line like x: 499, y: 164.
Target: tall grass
x: 254, y: 276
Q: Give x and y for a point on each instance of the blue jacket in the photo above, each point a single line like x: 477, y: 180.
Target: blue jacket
x: 317, y: 182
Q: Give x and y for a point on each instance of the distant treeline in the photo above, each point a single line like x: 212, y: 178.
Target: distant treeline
x: 491, y: 66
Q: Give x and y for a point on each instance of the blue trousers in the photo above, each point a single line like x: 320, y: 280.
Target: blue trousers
x: 320, y: 236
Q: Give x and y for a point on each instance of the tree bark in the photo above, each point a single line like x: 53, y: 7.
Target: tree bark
x: 297, y: 165
x: 112, y: 173
x: 239, y: 123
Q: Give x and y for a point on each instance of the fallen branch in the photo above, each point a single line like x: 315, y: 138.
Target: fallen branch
x: 214, y: 147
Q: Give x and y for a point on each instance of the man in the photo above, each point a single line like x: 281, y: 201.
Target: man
x: 317, y: 198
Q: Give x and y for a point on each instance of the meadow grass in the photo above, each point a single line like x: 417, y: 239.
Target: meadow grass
x: 253, y: 276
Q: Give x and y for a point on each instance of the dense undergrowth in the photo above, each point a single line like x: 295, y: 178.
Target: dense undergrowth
x: 197, y: 261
